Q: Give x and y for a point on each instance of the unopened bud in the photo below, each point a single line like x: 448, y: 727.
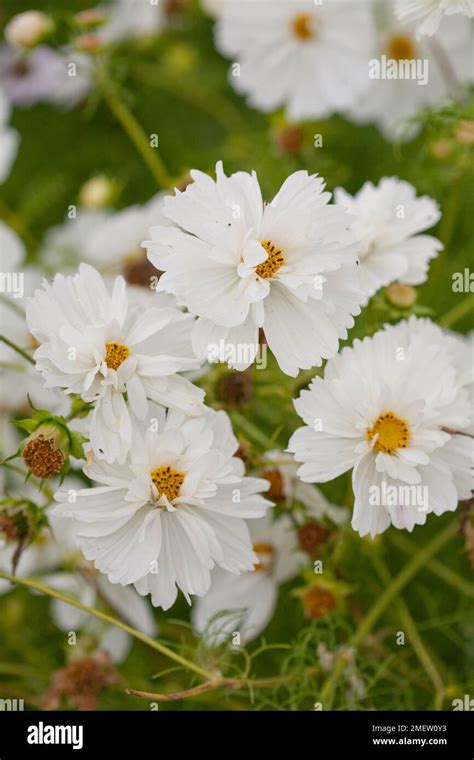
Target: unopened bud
x: 289, y: 139
x: 88, y: 43
x: 28, y: 29
x: 97, y: 192
x: 401, y: 295
x: 89, y: 18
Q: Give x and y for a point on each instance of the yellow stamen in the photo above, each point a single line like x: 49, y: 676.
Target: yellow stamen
x: 272, y: 264
x: 390, y: 433
x: 168, y: 482
x: 115, y: 354
x: 401, y: 48
x: 302, y: 26
x: 265, y: 554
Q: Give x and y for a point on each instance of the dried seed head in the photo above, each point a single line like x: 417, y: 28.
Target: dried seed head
x: 276, y: 493
x: 311, y: 535
x: 317, y: 602
x: 235, y: 389
x: 42, y: 455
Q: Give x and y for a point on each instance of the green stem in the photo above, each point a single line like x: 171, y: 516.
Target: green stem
x: 17, y: 349
x: 437, y: 568
x: 392, y: 589
x: 135, y: 132
x: 458, y: 312
x: 161, y: 648
x: 410, y: 627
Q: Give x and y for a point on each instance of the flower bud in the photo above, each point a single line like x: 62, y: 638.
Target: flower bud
x: 89, y: 18
x: 289, y: 139
x: 88, y: 43
x: 97, y: 192
x: 28, y: 29
x: 400, y: 295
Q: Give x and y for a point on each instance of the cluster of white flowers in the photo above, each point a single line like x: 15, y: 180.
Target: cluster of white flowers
x: 226, y: 273
x: 316, y: 59
x: 170, y: 501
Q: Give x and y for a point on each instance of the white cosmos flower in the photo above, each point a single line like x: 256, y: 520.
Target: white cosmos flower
x: 288, y: 267
x: 443, y: 69
x: 131, y: 19
x: 41, y: 75
x: 309, y: 57
x: 111, y: 241
x: 9, y: 138
x: 17, y: 376
x: 94, y: 345
x: 384, y: 409
x: 293, y: 489
x: 387, y: 222
x: 431, y: 12
x: 174, y: 511
x: 250, y: 598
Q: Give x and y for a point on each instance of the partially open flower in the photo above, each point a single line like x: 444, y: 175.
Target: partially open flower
x: 28, y: 29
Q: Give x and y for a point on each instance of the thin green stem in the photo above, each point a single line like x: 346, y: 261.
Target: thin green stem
x: 459, y: 311
x: 391, y: 591
x: 437, y: 568
x: 416, y: 641
x: 161, y: 648
x: 135, y: 132
x: 17, y: 349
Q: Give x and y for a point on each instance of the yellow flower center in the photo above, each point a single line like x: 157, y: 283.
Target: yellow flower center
x: 390, y: 433
x: 115, y: 354
x: 302, y: 26
x: 272, y: 264
x: 401, y: 48
x: 265, y: 555
x: 168, y: 482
